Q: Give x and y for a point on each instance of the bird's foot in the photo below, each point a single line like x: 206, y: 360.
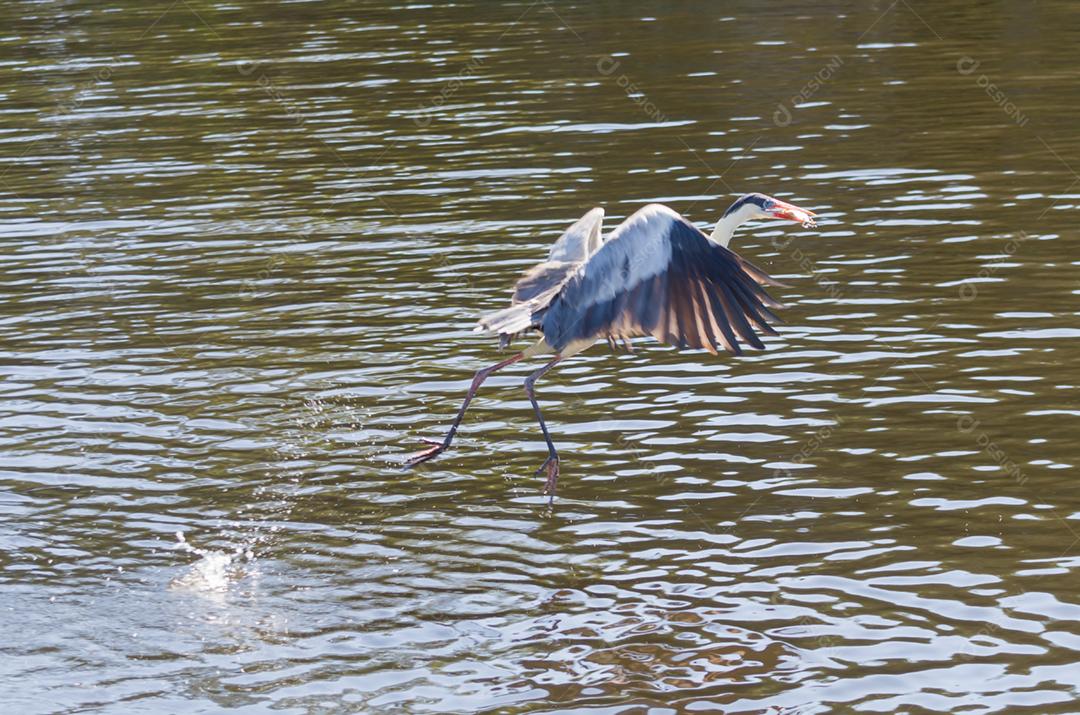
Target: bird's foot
x: 551, y: 468
x: 436, y: 448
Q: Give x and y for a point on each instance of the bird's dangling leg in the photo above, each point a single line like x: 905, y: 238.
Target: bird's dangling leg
x: 439, y: 447
x: 551, y: 464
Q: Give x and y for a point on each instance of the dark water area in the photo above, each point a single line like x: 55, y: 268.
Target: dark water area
x: 244, y: 248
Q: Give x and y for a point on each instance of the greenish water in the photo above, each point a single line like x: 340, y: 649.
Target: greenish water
x: 244, y: 248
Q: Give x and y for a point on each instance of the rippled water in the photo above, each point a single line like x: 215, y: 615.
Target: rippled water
x: 244, y: 249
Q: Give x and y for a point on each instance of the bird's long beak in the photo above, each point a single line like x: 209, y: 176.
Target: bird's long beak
x: 790, y: 212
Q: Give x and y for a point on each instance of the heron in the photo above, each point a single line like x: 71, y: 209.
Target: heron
x: 656, y: 274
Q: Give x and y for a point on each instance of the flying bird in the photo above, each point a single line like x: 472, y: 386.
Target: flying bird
x: 656, y: 274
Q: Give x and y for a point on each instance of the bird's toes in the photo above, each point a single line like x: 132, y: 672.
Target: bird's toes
x: 423, y: 455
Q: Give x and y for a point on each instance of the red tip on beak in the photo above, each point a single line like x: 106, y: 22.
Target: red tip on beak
x: 790, y: 212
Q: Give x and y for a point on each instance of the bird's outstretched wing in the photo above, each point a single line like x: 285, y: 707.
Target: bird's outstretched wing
x: 534, y: 290
x: 658, y: 275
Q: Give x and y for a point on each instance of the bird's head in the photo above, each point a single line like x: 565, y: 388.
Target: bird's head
x: 757, y: 206
x: 754, y: 206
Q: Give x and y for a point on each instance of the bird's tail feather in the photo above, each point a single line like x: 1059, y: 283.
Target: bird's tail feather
x: 507, y: 321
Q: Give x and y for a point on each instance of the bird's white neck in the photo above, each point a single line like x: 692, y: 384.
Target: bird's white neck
x: 725, y: 227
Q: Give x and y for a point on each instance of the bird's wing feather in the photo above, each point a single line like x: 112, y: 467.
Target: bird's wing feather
x: 658, y: 275
x: 580, y: 240
x: 534, y: 290
x: 759, y: 275
x: 542, y: 278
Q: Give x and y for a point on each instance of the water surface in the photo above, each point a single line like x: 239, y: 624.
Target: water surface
x: 245, y: 245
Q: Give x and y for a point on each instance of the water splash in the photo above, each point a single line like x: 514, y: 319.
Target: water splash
x: 215, y: 571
